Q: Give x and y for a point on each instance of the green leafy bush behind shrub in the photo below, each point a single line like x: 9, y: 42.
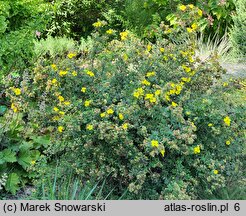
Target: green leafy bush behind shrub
x: 19, y: 20
x: 238, y: 31
x: 148, y: 115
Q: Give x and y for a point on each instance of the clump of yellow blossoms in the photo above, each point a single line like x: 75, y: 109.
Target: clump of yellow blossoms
x: 228, y: 142
x: 110, y: 111
x: 110, y: 31
x: 97, y: 24
x: 71, y: 55
x: 121, y: 117
x: 138, y: 92
x: 14, y: 107
x: 125, y: 126
x: 216, y: 172
x: 87, y: 103
x: 182, y: 7
x: 103, y: 115
x: 17, y: 91
x: 60, y: 98
x: 150, y: 97
x: 154, y: 143
x: 89, y: 127
x: 197, y: 150
x: 90, y: 73
x: 227, y: 120
x: 123, y: 35
x: 146, y: 82
x: 83, y: 89
x: 150, y: 74
x: 62, y: 73
x: 60, y: 129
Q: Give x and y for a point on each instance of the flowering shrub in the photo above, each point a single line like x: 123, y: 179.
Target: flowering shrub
x: 148, y: 115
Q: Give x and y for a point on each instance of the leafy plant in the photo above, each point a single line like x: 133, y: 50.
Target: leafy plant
x: 237, y: 33
x: 19, y: 151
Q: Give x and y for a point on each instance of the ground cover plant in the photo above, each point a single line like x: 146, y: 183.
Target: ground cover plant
x: 121, y: 116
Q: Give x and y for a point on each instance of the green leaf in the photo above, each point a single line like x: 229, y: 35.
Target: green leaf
x: 2, y: 109
x: 25, y: 158
x: 7, y: 156
x: 12, y: 184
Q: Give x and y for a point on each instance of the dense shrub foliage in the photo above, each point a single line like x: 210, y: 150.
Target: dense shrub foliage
x: 151, y: 117
x: 20, y: 23
x: 238, y: 32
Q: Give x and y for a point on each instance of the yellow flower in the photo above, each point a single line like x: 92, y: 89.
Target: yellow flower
x: 89, y: 127
x: 216, y: 172
x: 152, y: 100
x: 146, y: 82
x: 33, y: 162
x: 71, y: 55
x: 138, y: 92
x: 228, y: 142
x: 103, y: 115
x: 210, y: 125
x: 54, y: 67
x: 121, y: 116
x: 162, y: 50
x: 123, y: 35
x: 55, y: 109
x: 199, y: 12
x: 97, y: 24
x: 83, y: 89
x: 54, y: 81
x: 60, y: 98
x: 14, y: 108
x: 182, y: 7
x: 187, y: 69
x: 197, y: 150
x: 110, y: 31
x: 74, y: 73
x: 157, y: 92
x: 165, y: 58
x: 186, y: 79
x: 62, y: 113
x: 87, y: 103
x: 194, y: 26
x: 227, y: 120
x: 60, y: 129
x: 67, y: 103
x: 149, y: 74
x: 189, y: 30
x: 174, y: 104
x: 162, y: 152
x: 167, y: 97
x: 191, y: 6
x: 191, y: 60
x: 154, y: 143
x: 17, y: 91
x: 90, y: 73
x: 149, y: 47
x: 148, y: 96
x: 62, y: 73
x: 125, y: 126
x: 55, y: 118
x: 225, y: 84
x: 110, y: 111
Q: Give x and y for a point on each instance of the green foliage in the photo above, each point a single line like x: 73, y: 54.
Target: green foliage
x: 238, y: 31
x: 18, y: 22
x: 54, y: 47
x: 74, y: 18
x: 148, y: 116
x: 19, y: 150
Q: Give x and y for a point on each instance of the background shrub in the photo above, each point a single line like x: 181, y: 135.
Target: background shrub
x: 147, y: 115
x: 238, y: 31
